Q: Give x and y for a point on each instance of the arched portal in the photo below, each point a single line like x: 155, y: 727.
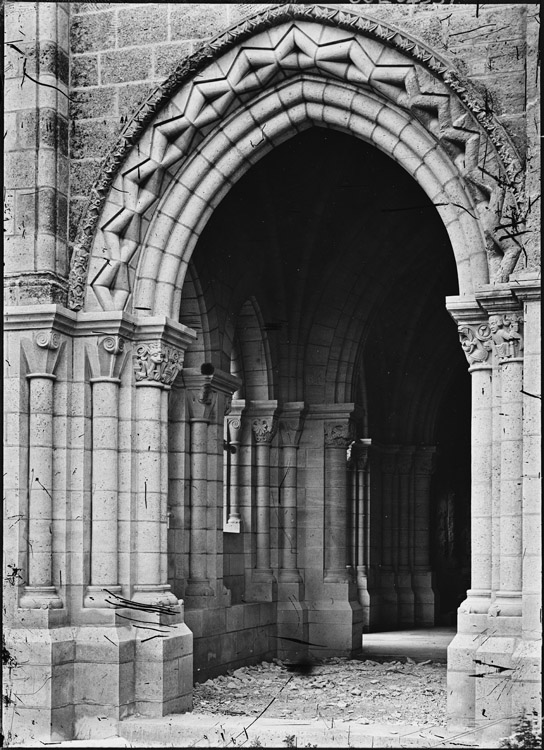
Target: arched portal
x: 315, y: 572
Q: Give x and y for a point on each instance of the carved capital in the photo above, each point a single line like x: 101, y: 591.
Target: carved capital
x: 359, y: 454
x: 475, y: 342
x: 339, y: 434
x: 506, y: 335
x: 44, y: 351
x: 154, y: 362
x: 404, y: 461
x: 425, y: 461
x: 112, y: 355
x: 291, y: 423
x: 264, y: 429
x: 47, y: 340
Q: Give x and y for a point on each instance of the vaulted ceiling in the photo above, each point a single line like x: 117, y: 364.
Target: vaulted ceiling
x: 349, y: 264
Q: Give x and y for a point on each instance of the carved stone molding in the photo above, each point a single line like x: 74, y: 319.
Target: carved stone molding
x: 112, y: 355
x: 291, y: 423
x: 425, y: 461
x: 475, y: 342
x: 506, y: 335
x: 339, y: 434
x: 360, y: 454
x: 264, y: 429
x: 44, y: 351
x: 351, y: 43
x: 154, y: 362
x: 405, y: 460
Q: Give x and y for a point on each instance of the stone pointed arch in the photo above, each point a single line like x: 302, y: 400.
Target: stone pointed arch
x: 282, y: 70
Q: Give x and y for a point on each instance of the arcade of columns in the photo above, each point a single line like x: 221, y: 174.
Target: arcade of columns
x: 116, y: 462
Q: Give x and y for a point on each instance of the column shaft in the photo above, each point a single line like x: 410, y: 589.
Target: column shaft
x: 105, y: 488
x: 262, y: 515
x: 40, y: 587
x: 149, y: 488
x: 336, y: 514
x: 198, y: 583
x: 510, y: 579
x: 288, y: 511
x: 481, y: 491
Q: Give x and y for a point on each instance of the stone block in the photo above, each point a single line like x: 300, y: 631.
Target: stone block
x: 197, y: 20
x: 92, y: 139
x: 84, y: 70
x: 126, y: 65
x: 90, y: 33
x: 94, y: 103
x: 142, y: 25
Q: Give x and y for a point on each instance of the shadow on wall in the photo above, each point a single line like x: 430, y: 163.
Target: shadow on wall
x: 450, y: 508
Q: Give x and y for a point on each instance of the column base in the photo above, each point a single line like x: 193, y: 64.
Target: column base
x: 97, y: 597
x: 335, y: 623
x: 158, y: 595
x: 292, y: 622
x: 40, y: 597
x: 405, y: 598
x: 40, y: 670
x: 461, y: 683
x: 262, y: 587
x: 389, y: 608
x: 424, y: 598
x: 496, y: 668
x: 337, y: 575
x: 289, y: 575
x: 198, y: 587
x: 527, y: 678
x: 363, y: 596
x: 506, y: 604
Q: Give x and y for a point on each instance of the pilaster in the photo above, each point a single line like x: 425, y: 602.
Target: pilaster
x: 264, y: 426
x: 292, y: 609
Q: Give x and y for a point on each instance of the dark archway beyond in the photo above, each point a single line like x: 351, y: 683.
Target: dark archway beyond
x: 350, y: 264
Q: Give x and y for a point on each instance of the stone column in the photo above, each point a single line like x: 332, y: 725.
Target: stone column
x: 474, y: 337
x: 405, y: 540
x: 206, y: 391
x: 292, y: 609
x: 361, y: 523
x: 40, y: 593
x: 157, y: 363
x: 290, y: 428
x: 201, y: 400
x: 338, y: 437
x: 264, y: 429
x: 508, y: 348
x: 388, y: 589
x: 527, y: 657
x: 493, y: 695
x: 36, y: 153
x: 234, y: 430
x: 422, y: 577
x: 105, y: 473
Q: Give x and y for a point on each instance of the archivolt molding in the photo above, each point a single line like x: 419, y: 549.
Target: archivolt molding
x: 225, y: 74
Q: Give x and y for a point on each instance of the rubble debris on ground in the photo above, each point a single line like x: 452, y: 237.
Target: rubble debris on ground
x: 396, y: 692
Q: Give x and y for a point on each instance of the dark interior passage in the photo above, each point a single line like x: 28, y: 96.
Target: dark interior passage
x: 347, y: 265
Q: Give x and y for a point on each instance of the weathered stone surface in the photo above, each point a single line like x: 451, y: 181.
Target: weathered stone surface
x: 168, y: 56
x: 135, y: 27
x: 196, y: 20
x: 128, y: 65
x: 265, y: 208
x: 84, y: 70
x: 93, y: 33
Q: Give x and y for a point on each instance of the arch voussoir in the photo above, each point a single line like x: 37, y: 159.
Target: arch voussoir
x: 375, y: 72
